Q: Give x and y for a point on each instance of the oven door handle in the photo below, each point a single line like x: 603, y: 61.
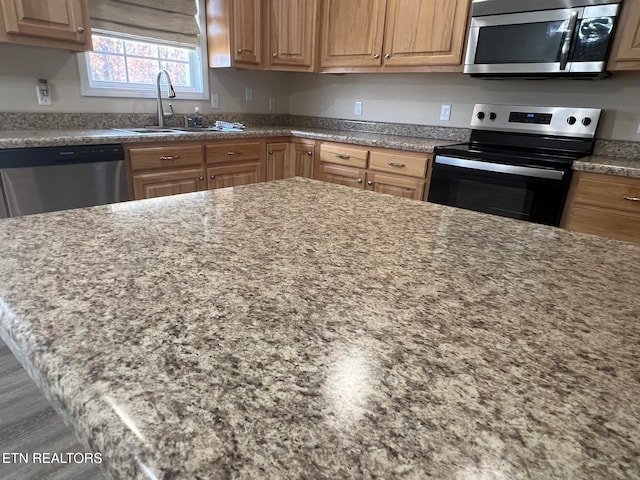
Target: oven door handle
x: 501, y: 168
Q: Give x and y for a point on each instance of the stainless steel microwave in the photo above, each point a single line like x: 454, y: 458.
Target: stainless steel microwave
x: 543, y: 38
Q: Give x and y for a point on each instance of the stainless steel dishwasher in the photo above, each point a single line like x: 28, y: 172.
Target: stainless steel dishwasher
x: 46, y: 179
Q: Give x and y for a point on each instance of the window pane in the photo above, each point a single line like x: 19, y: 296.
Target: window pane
x: 142, y: 70
x: 142, y: 49
x: 106, y: 44
x: 174, y: 53
x: 179, y: 72
x: 107, y: 68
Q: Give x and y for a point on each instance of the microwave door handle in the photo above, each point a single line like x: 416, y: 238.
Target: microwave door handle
x: 566, y: 44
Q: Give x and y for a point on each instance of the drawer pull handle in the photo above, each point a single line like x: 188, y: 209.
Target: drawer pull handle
x: 397, y: 165
x: 234, y: 153
x: 343, y: 157
x: 632, y: 199
x: 169, y: 157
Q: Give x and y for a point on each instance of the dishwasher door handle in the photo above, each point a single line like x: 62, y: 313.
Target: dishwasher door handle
x: 501, y: 168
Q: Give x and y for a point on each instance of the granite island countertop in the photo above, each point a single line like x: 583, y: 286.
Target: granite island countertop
x: 298, y: 329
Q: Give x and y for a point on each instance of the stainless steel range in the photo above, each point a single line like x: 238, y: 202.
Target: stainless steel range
x: 518, y: 163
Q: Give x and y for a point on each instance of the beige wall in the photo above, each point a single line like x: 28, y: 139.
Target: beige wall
x: 402, y: 98
x: 21, y: 66
x: 416, y: 98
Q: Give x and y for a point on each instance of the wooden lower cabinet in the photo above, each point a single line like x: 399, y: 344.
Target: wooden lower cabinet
x: 606, y: 205
x: 395, y: 185
x: 347, y: 176
x: 162, y: 184
x: 393, y: 172
x: 285, y: 160
x: 233, y: 175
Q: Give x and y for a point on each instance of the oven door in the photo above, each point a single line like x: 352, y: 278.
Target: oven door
x: 522, y: 43
x: 534, y: 194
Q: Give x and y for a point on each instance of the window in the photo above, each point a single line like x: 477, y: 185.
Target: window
x: 127, y: 55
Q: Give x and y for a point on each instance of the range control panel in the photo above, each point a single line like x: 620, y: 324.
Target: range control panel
x: 556, y: 121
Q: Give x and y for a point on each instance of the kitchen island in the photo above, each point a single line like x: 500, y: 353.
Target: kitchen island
x: 298, y: 329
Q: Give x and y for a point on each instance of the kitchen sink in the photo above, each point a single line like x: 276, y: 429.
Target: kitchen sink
x: 169, y: 130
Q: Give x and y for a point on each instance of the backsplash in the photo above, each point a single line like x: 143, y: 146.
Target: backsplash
x: 34, y: 121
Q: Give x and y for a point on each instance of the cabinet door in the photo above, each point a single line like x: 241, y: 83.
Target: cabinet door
x: 626, y: 49
x: 425, y: 32
x: 233, y: 175
x: 247, y: 33
x: 278, y: 163
x: 395, y: 185
x: 292, y: 34
x: 350, y: 177
x: 352, y: 33
x: 303, y: 160
x: 53, y: 19
x: 162, y: 184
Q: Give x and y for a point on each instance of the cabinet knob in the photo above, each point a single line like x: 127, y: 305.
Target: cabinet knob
x: 212, y: 177
x: 274, y: 54
x: 388, y: 55
x: 270, y: 153
x: 80, y: 29
x: 376, y: 55
x: 309, y: 153
x: 369, y: 182
x: 359, y: 180
x: 239, y: 50
x: 200, y: 178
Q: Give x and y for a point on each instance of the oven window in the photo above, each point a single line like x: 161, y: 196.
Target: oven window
x: 521, y: 43
x: 532, y: 199
x: 504, y: 200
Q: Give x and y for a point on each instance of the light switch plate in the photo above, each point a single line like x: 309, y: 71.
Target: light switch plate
x: 272, y: 104
x: 445, y: 113
x: 358, y: 110
x: 215, y: 100
x: 43, y: 92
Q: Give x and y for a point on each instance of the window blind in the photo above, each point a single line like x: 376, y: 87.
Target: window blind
x: 169, y: 20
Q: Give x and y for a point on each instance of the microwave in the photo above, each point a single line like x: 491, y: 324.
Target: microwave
x: 543, y: 38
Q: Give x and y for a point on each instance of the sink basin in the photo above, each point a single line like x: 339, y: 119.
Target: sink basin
x: 148, y: 130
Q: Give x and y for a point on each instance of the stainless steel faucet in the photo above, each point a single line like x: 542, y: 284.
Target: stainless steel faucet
x: 171, y: 93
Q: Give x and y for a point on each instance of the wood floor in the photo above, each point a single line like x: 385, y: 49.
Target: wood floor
x: 28, y: 424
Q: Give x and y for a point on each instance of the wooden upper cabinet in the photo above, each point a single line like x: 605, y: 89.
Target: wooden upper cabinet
x: 234, y: 33
x: 54, y: 23
x: 292, y: 32
x: 425, y: 32
x: 352, y: 33
x: 625, y: 54
x: 247, y: 32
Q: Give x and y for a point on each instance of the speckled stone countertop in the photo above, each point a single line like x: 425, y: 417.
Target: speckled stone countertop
x: 298, y: 329
x: 627, y: 167
x: 43, y: 138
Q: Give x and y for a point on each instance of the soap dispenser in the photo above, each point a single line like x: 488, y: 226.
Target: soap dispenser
x: 197, y: 118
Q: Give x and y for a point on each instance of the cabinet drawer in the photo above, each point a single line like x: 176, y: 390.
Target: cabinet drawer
x: 620, y: 193
x: 606, y: 222
x: 165, y: 157
x: 231, y: 152
x: 413, y: 165
x: 350, y: 157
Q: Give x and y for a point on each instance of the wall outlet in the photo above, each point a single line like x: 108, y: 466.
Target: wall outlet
x: 445, y: 113
x: 215, y: 100
x: 358, y: 110
x: 43, y: 92
x: 248, y: 94
x: 272, y: 104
